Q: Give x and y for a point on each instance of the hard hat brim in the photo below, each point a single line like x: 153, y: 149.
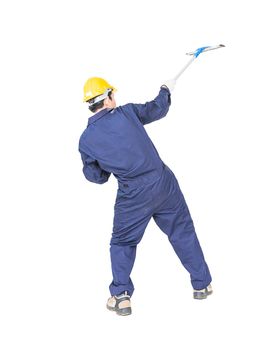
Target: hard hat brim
x: 113, y: 89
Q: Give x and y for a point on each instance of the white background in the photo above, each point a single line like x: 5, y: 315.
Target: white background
x: 55, y: 226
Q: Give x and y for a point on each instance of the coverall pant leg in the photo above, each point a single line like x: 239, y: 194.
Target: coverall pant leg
x: 174, y: 219
x: 132, y: 213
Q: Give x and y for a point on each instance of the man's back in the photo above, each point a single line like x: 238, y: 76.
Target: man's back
x: 115, y: 141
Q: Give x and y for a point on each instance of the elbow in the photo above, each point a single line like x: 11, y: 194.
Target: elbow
x: 160, y: 112
x: 96, y: 178
x: 161, y: 106
x: 102, y: 180
x: 164, y: 109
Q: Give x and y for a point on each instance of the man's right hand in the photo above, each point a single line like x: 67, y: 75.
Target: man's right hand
x: 169, y: 84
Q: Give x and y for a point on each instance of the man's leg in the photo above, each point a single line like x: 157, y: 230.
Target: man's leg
x: 175, y: 220
x: 129, y: 225
x: 122, y: 261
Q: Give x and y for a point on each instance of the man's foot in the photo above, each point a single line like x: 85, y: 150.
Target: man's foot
x: 121, y: 304
x: 203, y: 293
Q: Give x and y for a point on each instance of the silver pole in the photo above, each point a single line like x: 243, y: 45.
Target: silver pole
x: 183, y: 69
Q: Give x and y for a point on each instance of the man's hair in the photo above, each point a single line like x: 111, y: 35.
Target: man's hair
x: 96, y: 106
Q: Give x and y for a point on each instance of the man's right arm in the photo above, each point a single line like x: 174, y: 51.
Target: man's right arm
x: 156, y: 109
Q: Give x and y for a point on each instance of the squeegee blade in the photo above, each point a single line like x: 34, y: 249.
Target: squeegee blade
x: 208, y: 48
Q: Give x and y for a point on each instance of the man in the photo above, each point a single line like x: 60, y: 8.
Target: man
x: 115, y: 141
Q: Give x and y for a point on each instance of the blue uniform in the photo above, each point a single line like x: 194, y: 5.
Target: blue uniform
x: 115, y: 141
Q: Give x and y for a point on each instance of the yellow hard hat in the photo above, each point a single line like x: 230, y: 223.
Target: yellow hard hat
x: 94, y: 87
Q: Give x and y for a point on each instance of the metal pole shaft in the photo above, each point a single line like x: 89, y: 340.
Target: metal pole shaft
x: 184, y: 68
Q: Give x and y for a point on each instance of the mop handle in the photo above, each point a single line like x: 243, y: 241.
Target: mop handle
x: 184, y: 68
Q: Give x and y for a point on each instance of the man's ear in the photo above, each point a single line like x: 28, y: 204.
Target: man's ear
x: 106, y: 102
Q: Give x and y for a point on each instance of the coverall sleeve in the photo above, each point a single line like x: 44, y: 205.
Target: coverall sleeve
x: 93, y: 171
x: 154, y: 110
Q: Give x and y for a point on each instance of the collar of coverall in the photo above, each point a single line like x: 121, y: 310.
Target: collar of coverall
x: 99, y: 115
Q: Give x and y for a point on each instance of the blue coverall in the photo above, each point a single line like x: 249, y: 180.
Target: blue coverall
x: 115, y: 141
